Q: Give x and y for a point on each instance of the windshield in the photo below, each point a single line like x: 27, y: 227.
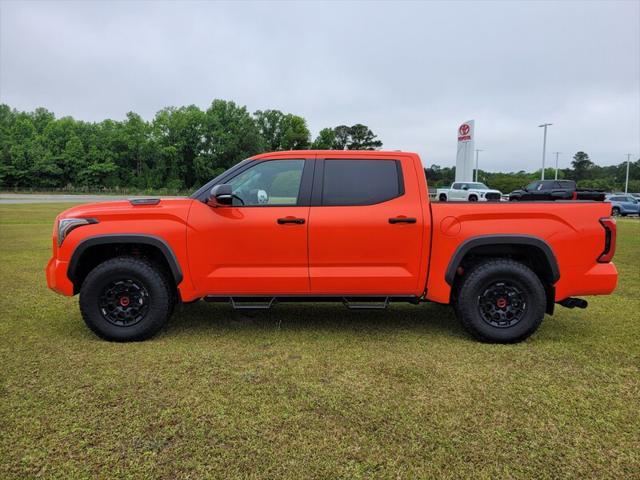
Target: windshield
x: 478, y: 186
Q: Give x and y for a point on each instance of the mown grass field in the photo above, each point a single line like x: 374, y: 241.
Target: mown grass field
x: 311, y: 391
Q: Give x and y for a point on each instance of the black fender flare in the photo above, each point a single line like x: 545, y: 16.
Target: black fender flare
x: 485, y: 240
x: 108, y: 239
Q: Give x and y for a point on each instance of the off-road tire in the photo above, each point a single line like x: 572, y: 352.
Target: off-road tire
x: 442, y: 197
x: 144, y: 274
x: 473, y: 198
x: 481, y: 277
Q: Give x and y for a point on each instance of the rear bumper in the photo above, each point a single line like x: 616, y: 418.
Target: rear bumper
x: 601, y: 279
x: 57, y: 277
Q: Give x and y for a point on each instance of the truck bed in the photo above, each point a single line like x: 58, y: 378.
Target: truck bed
x: 571, y: 228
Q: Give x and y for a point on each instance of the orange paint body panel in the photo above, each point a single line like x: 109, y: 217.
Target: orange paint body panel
x: 355, y: 250
x: 571, y: 229
x: 341, y: 250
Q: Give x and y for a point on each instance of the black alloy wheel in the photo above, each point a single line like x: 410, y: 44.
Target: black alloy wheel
x: 502, y: 304
x: 124, y: 303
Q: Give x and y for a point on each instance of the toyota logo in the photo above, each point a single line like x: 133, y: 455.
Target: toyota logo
x: 464, y: 129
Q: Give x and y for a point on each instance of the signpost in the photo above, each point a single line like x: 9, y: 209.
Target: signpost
x: 464, y: 158
x: 544, y: 146
x: 626, y: 182
x: 477, y: 152
x: 557, y: 155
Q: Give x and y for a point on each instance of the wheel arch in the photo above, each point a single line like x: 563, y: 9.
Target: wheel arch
x: 95, y: 250
x: 499, y: 245
x: 530, y: 250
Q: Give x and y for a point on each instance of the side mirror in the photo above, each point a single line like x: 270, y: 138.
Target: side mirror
x: 220, y: 196
x: 465, y: 188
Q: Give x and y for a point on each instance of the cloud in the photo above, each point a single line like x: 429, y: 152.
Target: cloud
x: 411, y: 71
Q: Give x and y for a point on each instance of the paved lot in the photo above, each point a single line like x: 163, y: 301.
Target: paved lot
x: 6, y: 198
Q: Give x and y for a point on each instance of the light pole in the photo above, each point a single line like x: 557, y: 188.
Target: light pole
x: 544, y: 145
x: 477, y: 152
x: 626, y: 183
x: 557, y: 154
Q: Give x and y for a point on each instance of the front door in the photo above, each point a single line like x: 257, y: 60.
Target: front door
x: 366, y: 227
x: 257, y: 246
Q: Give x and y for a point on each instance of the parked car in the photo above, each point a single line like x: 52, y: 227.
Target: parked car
x: 468, y: 192
x: 622, y: 204
x: 349, y: 226
x: 555, y: 190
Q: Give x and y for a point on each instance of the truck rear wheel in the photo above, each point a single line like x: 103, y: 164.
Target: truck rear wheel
x: 125, y: 299
x: 500, y: 301
x: 442, y: 197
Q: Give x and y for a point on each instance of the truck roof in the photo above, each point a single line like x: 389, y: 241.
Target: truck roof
x: 342, y: 153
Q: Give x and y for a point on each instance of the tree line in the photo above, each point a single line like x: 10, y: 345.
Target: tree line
x: 583, y: 170
x: 179, y: 149
x: 182, y: 148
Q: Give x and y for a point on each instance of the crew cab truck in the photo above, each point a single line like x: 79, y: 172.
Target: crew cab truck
x: 468, y: 192
x: 350, y: 226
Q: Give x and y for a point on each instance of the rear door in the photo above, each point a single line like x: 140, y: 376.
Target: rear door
x: 366, y: 227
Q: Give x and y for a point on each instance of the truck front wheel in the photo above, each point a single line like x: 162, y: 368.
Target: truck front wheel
x: 125, y: 299
x: 500, y: 301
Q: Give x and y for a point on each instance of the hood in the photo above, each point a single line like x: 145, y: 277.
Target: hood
x: 126, y: 210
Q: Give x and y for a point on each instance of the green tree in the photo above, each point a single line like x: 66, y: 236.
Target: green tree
x: 230, y: 134
x: 282, y: 131
x: 324, y: 140
x: 362, y: 138
x: 295, y: 134
x: 581, y: 166
x: 343, y: 137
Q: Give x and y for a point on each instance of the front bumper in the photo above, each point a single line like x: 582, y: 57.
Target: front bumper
x: 57, y: 279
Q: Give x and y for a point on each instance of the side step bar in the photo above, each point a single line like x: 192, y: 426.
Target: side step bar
x: 354, y: 302
x: 366, y: 305
x: 238, y: 304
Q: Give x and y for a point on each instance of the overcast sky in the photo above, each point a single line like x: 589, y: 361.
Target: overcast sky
x: 411, y: 71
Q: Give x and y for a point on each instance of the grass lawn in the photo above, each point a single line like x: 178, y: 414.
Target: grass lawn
x: 311, y: 391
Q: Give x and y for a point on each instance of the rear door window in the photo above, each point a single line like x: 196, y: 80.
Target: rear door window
x: 361, y: 182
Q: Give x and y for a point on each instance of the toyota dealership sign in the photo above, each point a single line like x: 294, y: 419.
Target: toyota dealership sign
x: 464, y: 132
x: 464, y: 159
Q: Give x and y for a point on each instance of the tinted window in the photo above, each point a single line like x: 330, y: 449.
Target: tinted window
x: 274, y: 182
x: 360, y: 182
x: 456, y: 186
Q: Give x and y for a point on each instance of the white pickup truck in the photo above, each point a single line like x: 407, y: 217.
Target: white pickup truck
x: 468, y: 192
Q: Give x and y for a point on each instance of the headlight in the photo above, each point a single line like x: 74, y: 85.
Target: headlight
x: 65, y: 225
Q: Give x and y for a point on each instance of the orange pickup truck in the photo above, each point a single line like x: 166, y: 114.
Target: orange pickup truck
x: 349, y: 226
